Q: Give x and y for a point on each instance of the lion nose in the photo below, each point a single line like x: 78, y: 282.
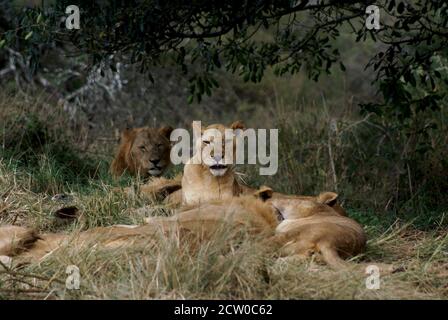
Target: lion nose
x: 154, y: 161
x: 217, y: 158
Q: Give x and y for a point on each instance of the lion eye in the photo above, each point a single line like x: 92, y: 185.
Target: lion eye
x: 142, y: 148
x: 206, y: 142
x: 160, y: 145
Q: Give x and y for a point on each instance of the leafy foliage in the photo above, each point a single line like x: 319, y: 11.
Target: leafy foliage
x: 218, y: 35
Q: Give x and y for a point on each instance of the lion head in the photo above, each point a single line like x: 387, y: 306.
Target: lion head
x: 143, y: 151
x: 215, y: 161
x: 294, y: 206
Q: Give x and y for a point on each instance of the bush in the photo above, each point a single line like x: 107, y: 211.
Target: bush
x: 41, y: 139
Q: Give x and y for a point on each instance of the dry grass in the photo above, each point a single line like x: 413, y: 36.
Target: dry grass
x: 217, y: 270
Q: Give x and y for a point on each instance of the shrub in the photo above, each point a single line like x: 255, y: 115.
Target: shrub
x: 40, y: 138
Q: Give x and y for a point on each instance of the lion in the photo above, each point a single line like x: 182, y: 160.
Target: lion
x: 311, y: 226
x: 204, y: 181
x: 170, y: 191
x: 203, y: 221
x: 201, y: 181
x: 143, y: 152
x: 14, y: 240
x: 293, y: 226
x: 161, y: 188
x: 328, y: 198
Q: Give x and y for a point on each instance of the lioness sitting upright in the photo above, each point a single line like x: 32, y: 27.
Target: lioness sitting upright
x: 204, y: 181
x: 143, y: 151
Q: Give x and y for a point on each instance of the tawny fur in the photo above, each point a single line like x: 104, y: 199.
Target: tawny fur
x: 170, y: 190
x: 246, y: 213
x: 14, y: 239
x: 199, y: 185
x: 138, y: 148
x: 162, y: 188
x: 311, y: 227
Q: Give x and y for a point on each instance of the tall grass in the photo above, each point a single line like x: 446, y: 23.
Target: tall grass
x: 374, y: 166
x: 218, y: 269
x: 384, y: 179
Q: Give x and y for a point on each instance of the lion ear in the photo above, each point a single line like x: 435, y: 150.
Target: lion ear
x: 166, y: 131
x: 238, y: 125
x: 196, y: 125
x: 328, y: 198
x: 128, y: 134
x: 264, y: 193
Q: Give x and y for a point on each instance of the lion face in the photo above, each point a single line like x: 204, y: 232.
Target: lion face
x: 216, y: 163
x: 143, y: 151
x: 297, y: 207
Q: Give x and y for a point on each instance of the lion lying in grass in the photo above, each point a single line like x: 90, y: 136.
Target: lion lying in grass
x: 315, y: 226
x: 302, y: 226
x: 243, y: 213
x: 143, y: 151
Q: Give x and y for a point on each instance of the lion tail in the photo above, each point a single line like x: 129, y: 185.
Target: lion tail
x: 332, y: 258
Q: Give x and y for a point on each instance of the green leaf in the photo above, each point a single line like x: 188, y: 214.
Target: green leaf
x: 216, y: 60
x: 214, y: 82
x: 412, y: 81
x: 150, y: 77
x: 208, y: 91
x: 391, y: 5
x: 29, y: 35
x: 200, y: 85
x: 2, y: 43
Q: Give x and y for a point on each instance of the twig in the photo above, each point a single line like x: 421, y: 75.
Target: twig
x: 410, y: 180
x: 5, y: 71
x: 354, y: 124
x: 23, y: 290
x: 18, y: 274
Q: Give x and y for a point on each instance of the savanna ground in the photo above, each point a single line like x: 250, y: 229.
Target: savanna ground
x: 391, y: 177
